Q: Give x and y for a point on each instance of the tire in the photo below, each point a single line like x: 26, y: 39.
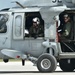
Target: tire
x: 65, y: 66
x: 46, y: 63
x: 6, y: 60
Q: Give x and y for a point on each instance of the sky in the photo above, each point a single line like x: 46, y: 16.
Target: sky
x: 9, y: 4
x: 5, y: 4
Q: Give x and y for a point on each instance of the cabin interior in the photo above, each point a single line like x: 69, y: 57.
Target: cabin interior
x: 67, y: 44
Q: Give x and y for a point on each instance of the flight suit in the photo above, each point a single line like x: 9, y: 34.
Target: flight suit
x: 36, y: 31
x: 66, y: 31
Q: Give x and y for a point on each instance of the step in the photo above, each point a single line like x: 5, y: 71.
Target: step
x: 67, y: 55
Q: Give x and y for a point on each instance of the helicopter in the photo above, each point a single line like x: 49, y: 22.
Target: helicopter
x: 44, y: 51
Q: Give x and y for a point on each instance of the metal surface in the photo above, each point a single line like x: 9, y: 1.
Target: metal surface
x: 45, y: 63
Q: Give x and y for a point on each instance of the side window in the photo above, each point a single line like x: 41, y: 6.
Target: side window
x: 32, y: 31
x: 3, y: 21
x: 18, y: 22
x: 18, y: 26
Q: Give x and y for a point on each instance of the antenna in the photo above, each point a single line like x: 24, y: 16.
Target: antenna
x: 18, y: 4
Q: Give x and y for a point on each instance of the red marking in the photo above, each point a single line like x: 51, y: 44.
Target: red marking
x: 17, y: 56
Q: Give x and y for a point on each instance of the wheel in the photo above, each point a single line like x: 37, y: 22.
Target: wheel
x: 46, y: 63
x: 6, y: 60
x: 66, y: 65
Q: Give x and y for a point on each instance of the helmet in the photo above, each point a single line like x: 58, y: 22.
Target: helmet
x: 36, y: 19
x: 66, y: 15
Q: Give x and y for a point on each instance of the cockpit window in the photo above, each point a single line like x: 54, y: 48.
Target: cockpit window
x: 3, y: 20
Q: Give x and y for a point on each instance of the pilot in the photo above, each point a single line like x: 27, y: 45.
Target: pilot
x: 36, y: 29
x: 66, y: 28
x: 3, y: 20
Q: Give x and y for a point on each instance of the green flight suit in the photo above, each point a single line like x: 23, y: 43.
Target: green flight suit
x: 66, y: 29
x: 36, y: 32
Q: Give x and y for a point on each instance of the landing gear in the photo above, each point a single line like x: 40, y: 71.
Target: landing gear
x: 66, y: 65
x: 23, y: 62
x: 6, y: 60
x: 46, y: 63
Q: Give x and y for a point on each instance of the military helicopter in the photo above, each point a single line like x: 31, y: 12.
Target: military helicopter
x: 44, y: 51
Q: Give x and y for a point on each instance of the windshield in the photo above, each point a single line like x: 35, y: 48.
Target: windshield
x: 3, y: 20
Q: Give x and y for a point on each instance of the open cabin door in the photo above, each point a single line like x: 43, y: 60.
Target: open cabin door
x: 18, y: 26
